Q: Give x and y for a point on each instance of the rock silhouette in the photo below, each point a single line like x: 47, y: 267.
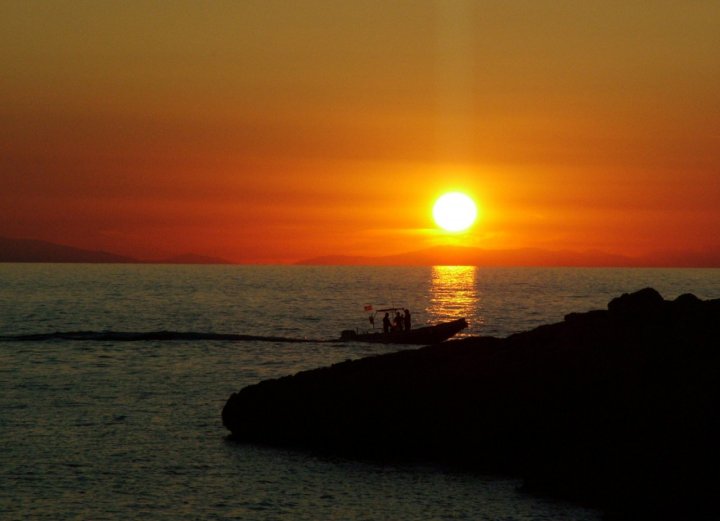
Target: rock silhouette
x: 619, y: 408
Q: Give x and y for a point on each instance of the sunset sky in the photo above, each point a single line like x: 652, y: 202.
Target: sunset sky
x: 272, y: 131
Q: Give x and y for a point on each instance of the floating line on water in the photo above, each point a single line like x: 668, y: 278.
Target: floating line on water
x: 121, y: 336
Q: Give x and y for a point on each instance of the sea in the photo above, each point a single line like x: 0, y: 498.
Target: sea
x: 102, y: 417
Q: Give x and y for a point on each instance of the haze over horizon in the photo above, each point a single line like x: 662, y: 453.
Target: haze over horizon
x: 28, y: 250
x: 266, y: 131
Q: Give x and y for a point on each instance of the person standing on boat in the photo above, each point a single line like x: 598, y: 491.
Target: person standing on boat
x: 407, y: 319
x: 386, y: 323
x: 398, y: 322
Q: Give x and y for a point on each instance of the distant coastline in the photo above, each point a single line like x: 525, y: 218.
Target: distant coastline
x: 523, y: 257
x: 34, y: 251
x: 38, y: 251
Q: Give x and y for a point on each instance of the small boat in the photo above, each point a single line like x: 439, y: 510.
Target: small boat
x: 421, y: 335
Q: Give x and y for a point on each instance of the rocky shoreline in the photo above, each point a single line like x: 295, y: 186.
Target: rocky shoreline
x: 618, y: 408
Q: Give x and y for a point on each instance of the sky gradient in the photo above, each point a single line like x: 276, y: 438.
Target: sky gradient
x: 272, y: 131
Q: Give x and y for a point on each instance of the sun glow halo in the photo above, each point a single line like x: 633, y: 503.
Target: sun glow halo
x: 454, y: 212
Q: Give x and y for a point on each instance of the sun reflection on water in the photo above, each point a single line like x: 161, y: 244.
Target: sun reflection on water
x: 453, y: 293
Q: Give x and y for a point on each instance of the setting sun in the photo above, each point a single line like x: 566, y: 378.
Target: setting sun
x: 214, y: 136
x: 454, y: 212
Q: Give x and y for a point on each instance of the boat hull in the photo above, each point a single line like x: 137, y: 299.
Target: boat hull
x: 422, y: 335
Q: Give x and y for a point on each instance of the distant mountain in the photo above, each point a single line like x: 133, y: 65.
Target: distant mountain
x: 27, y: 250
x: 458, y: 256
x: 191, y: 258
x: 707, y: 258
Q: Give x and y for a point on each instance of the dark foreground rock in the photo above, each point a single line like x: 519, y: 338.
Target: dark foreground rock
x: 619, y: 408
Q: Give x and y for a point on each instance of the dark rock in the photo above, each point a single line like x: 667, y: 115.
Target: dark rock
x: 641, y: 303
x: 619, y: 408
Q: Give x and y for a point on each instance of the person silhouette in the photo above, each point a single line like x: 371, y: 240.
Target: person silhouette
x: 386, y: 323
x: 398, y: 321
x: 407, y: 319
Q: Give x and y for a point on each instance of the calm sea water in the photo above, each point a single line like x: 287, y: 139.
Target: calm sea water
x: 132, y: 430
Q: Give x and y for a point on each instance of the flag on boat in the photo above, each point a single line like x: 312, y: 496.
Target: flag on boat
x: 368, y: 307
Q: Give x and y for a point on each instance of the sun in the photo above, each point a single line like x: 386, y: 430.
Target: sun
x: 454, y: 212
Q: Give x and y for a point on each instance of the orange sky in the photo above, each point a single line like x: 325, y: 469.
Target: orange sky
x: 271, y: 131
